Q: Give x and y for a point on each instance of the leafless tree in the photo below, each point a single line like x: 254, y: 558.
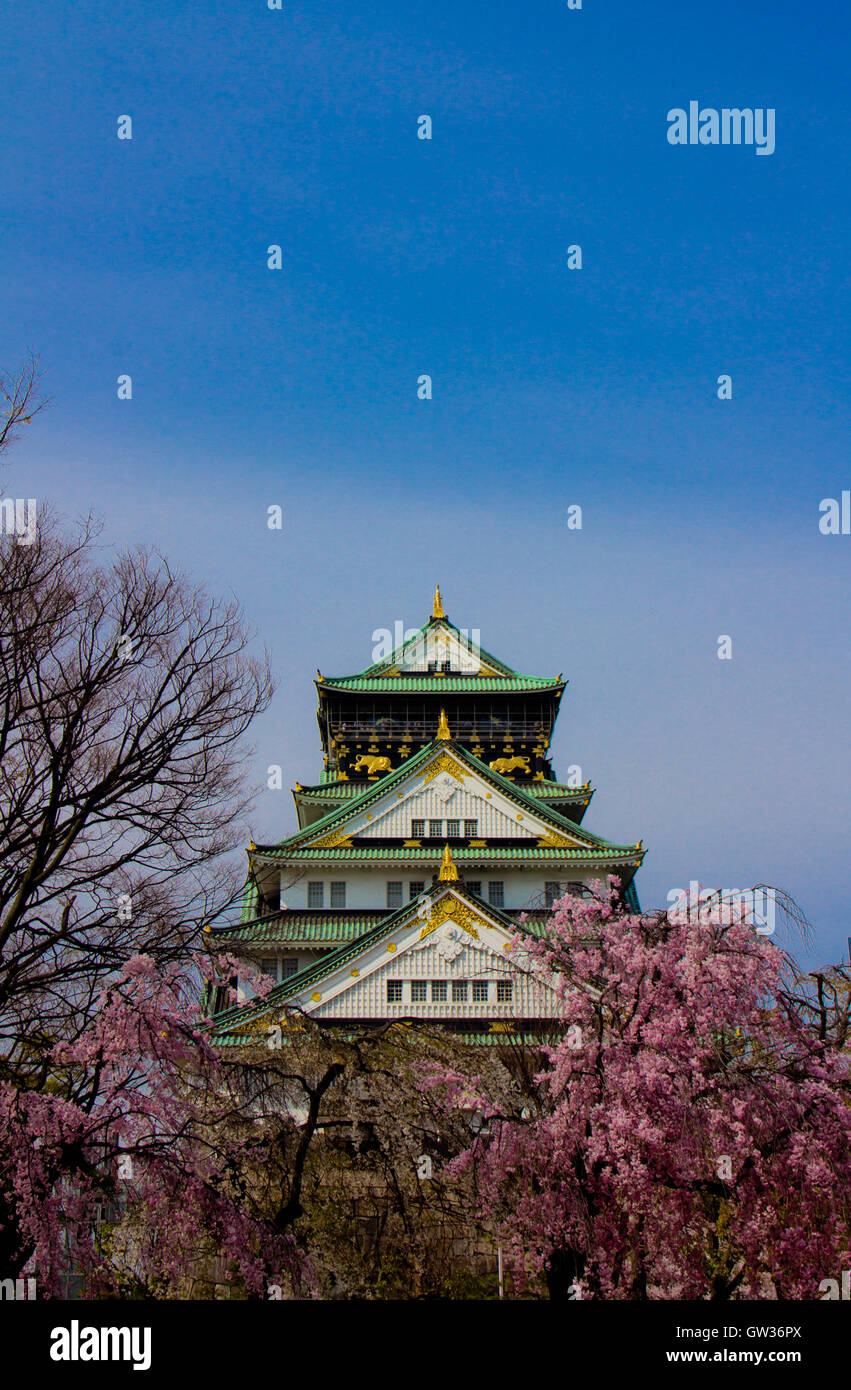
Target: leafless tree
x: 125, y: 692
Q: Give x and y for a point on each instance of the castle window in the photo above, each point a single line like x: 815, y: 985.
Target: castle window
x: 338, y: 894
x: 289, y: 967
x: 552, y: 892
x: 438, y: 991
x: 417, y: 829
x: 394, y: 991
x: 496, y: 893
x: 475, y: 886
x: 471, y: 829
x: 504, y: 991
x: 480, y: 991
x: 269, y: 966
x: 459, y: 991
x: 419, y: 991
x: 415, y: 888
x: 316, y: 895
x: 435, y: 829
x: 453, y: 830
x: 394, y: 894
x: 446, y: 665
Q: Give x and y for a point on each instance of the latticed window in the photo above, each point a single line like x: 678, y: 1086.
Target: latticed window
x: 471, y: 829
x: 475, y: 886
x: 496, y: 893
x: 316, y: 895
x: 453, y: 830
x: 269, y: 966
x: 438, y: 991
x: 415, y: 887
x: 504, y: 991
x: 338, y: 894
x: 394, y: 894
x: 435, y: 829
x: 419, y: 991
x: 459, y: 991
x: 552, y: 892
x: 417, y: 829
x: 394, y: 991
x: 289, y: 966
x: 480, y: 991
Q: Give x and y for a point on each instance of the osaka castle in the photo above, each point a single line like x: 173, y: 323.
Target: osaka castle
x: 432, y: 846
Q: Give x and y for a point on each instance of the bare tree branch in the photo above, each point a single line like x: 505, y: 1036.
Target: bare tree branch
x: 19, y: 400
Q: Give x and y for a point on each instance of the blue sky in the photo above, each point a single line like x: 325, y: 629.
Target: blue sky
x: 594, y: 387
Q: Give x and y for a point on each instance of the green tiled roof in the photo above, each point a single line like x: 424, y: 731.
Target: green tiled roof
x: 333, y: 928
x: 333, y: 791
x: 324, y: 928
x: 501, y: 1039
x: 451, y: 683
x: 525, y: 849
x: 543, y: 791
x: 559, y: 791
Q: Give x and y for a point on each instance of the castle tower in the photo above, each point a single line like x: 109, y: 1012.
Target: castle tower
x: 436, y: 824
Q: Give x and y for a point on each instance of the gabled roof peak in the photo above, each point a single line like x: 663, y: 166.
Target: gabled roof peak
x: 437, y: 655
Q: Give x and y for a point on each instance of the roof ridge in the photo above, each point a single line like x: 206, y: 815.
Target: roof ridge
x: 443, y: 679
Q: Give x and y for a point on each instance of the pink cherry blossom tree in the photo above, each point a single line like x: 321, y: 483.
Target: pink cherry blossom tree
x: 141, y: 1115
x: 688, y: 1133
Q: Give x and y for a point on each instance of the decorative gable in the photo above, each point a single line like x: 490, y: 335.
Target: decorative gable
x: 440, y: 646
x: 446, y: 787
x: 446, y: 942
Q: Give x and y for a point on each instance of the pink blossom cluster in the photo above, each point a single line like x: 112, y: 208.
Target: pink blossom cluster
x: 689, y: 1136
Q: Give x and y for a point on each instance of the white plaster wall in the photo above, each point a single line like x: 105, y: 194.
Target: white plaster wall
x: 368, y: 888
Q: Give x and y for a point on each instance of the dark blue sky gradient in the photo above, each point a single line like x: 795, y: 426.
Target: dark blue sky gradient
x: 551, y: 387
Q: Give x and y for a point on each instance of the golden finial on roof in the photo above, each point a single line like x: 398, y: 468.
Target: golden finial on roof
x: 437, y: 606
x: 447, y: 868
x: 251, y: 847
x: 443, y: 730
